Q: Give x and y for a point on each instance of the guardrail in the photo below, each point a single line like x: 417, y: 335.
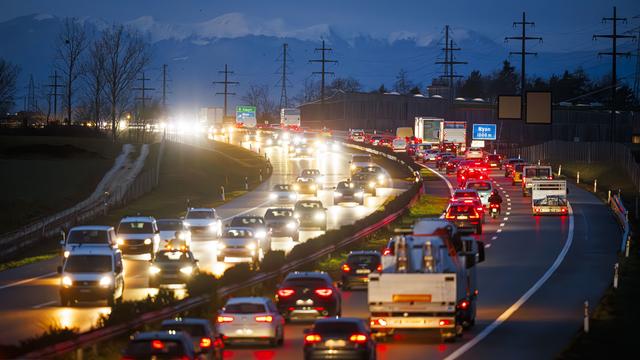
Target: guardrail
x: 92, y: 337
x: 622, y: 216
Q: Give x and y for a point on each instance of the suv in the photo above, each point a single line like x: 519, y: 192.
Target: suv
x: 161, y: 345
x: 311, y: 214
x: 359, y: 161
x: 344, y: 338
x: 347, y: 192
x: 365, y: 181
x: 201, y: 332
x: 138, y: 235
x: 260, y: 229
x: 173, y: 234
x: 494, y: 161
x: 465, y: 216
x: 258, y: 317
x: 92, y: 273
x: 308, y: 295
x: 93, y: 235
x: 172, y: 267
x: 203, y: 220
x: 359, y: 264
x: 282, y: 222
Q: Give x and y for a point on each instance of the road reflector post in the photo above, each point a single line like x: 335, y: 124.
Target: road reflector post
x: 586, y: 317
x: 538, y: 162
x: 246, y: 183
x: 578, y: 178
x: 609, y: 197
x: 222, y: 193
x: 559, y: 170
x: 595, y: 185
x: 260, y: 175
x: 615, y: 276
x: 627, y: 246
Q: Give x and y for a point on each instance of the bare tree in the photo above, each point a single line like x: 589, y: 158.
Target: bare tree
x: 93, y: 74
x: 126, y: 54
x: 258, y: 96
x: 8, y: 76
x: 71, y: 43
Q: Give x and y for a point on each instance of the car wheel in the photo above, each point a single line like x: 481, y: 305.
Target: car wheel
x: 65, y: 300
x: 281, y: 339
x: 479, y: 229
x: 111, y: 300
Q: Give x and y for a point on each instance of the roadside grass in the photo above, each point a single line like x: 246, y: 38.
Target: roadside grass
x: 42, y: 175
x: 428, y: 206
x: 26, y: 261
x: 609, y: 176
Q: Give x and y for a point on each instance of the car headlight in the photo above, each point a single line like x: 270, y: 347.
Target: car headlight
x: 296, y: 215
x: 359, y: 194
x: 380, y: 178
x: 261, y: 234
x: 120, y: 241
x: 154, y: 269
x: 66, y: 281
x: 337, y: 194
x: 372, y: 184
x: 251, y: 246
x: 187, y: 270
x: 319, y: 216
x: 335, y: 147
x: 320, y: 179
x: 296, y: 187
x: 293, y: 196
x: 313, y: 187
x: 105, y: 281
x: 186, y: 224
x: 182, y: 236
x: 352, y: 167
x: 291, y: 225
x: 147, y: 241
x: 269, y: 142
x: 273, y: 196
x: 66, y: 253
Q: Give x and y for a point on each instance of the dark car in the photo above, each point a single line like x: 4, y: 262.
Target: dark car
x: 465, y: 216
x: 282, y: 222
x: 494, y: 161
x: 160, y: 345
x: 442, y: 158
x: 356, y: 270
x: 452, y: 165
x: 172, y: 267
x: 311, y: 214
x: 365, y: 181
x: 347, y: 192
x: 381, y: 176
x: 306, y: 186
x: 344, y: 338
x: 304, y: 295
x: 201, y: 332
x: 509, y: 164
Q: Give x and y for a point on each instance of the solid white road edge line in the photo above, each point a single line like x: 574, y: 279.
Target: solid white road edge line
x: 44, y: 304
x: 513, y: 308
x: 26, y: 280
x: 441, y: 177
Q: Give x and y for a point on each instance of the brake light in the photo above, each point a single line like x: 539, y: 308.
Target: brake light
x: 564, y: 210
x: 379, y: 268
x: 358, y: 338
x: 379, y: 322
x: 550, y: 177
x: 480, y: 209
x: 324, y: 292
x: 536, y: 209
x: 386, y: 251
x: 224, y: 319
x: 444, y: 322
x: 157, y: 344
x: 205, y: 342
x: 346, y: 268
x: 474, y: 215
x: 264, y: 318
x: 468, y: 201
x: 286, y: 292
x: 464, y: 305
x: 449, y: 216
x: 312, y: 338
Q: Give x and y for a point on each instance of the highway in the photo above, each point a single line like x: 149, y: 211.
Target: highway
x: 574, y: 255
x: 30, y: 293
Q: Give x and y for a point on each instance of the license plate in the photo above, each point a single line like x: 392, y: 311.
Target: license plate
x: 85, y: 291
x: 410, y: 321
x: 544, y: 210
x: 462, y: 217
x: 335, y: 343
x: 171, y: 276
x: 363, y: 271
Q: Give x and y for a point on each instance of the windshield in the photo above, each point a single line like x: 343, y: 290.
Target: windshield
x: 270, y: 214
x: 247, y: 221
x: 281, y: 188
x: 165, y: 225
x: 361, y: 158
x: 238, y: 233
x: 88, y: 237
x: 200, y: 214
x: 344, y: 186
x: 244, y: 308
x: 135, y: 228
x: 310, y: 172
x: 88, y: 264
x: 170, y: 256
x: 308, y: 205
x: 479, y: 186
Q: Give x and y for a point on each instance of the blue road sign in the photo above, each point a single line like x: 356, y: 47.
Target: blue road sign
x: 484, y: 132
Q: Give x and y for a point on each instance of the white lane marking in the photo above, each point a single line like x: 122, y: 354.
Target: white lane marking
x: 508, y: 213
x: 513, y: 308
x: 505, y: 219
x: 501, y: 224
x: 507, y: 195
x: 493, y: 238
x: 499, y: 230
x: 43, y: 304
x: 509, y: 208
x: 487, y: 246
x: 21, y: 282
x: 248, y: 210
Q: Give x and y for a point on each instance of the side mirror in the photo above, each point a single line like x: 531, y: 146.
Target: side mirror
x: 481, y: 255
x: 59, y: 269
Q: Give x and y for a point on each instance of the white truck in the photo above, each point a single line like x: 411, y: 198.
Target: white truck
x: 549, y: 197
x: 429, y: 129
x: 455, y: 132
x: 534, y: 172
x: 429, y: 283
x: 211, y: 117
x: 289, y: 118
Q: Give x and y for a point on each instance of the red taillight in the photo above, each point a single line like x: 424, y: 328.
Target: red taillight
x: 386, y: 251
x: 346, y: 268
x: 264, y: 318
x: 449, y: 216
x: 464, y: 305
x: 564, y: 210
x: 205, y: 343
x: 379, y: 268
x: 480, y: 209
x: 550, y: 177
x: 312, y: 338
x: 324, y: 292
x: 286, y: 292
x: 358, y: 338
x: 157, y: 344
x: 224, y: 319
x: 474, y: 215
x: 536, y: 209
x: 444, y: 322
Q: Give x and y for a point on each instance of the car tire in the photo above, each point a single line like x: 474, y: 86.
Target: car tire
x: 479, y: 229
x: 281, y: 339
x: 111, y: 300
x: 65, y: 300
x: 295, y: 237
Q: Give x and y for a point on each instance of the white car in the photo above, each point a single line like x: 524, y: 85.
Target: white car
x: 245, y: 319
x: 430, y: 155
x: 204, y: 220
x: 240, y: 243
x: 94, y: 235
x: 399, y: 145
x: 474, y: 153
x: 138, y: 235
x: 173, y: 232
x: 283, y: 193
x: 483, y: 188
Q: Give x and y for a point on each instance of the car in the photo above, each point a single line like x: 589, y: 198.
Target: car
x: 474, y: 153
x: 420, y: 150
x: 476, y: 164
x: 172, y: 267
x: 450, y: 147
x: 304, y: 295
x: 452, y: 165
x: 305, y: 187
x: 365, y: 181
x: 375, y: 140
x: 470, y: 195
x: 283, y: 193
x: 356, y: 135
x: 310, y: 214
x: 303, y: 150
x: 282, y: 223
x: 356, y: 269
x: 260, y: 229
x: 483, y: 188
x: 92, y: 273
x: 173, y: 234
x: 313, y: 174
x: 381, y: 176
x: 465, y: 175
x: 430, y: 155
x: 203, y: 220
x: 442, y: 158
x: 138, y: 235
x: 385, y: 142
x: 202, y: 333
x: 240, y: 243
x: 359, y: 161
x: 399, y: 145
x: 494, y: 161
x: 160, y: 345
x: 464, y: 214
x: 516, y: 173
x: 509, y: 164
x: 346, y: 191
x: 250, y: 319
x: 94, y: 235
x: 343, y: 338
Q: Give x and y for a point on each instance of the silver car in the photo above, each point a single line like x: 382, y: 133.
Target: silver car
x: 240, y: 244
x: 250, y: 319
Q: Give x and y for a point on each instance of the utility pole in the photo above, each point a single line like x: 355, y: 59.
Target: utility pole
x: 449, y: 62
x: 164, y: 87
x: 614, y: 53
x: 54, y: 92
x: 31, y: 104
x: 226, y: 83
x: 284, y: 101
x: 523, y: 54
x: 323, y: 72
x: 142, y: 97
x: 636, y: 79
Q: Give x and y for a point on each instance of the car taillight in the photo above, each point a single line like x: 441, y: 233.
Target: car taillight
x: 157, y: 344
x: 205, y: 343
x: 224, y: 319
x: 312, y: 338
x: 386, y: 251
x: 358, y: 338
x: 474, y: 215
x: 444, y: 322
x: 346, y: 268
x: 264, y: 318
x: 480, y: 209
x: 449, y: 216
x: 285, y: 292
x: 463, y: 304
x: 324, y: 292
x: 550, y: 177
x: 564, y: 210
x: 379, y: 268
x: 536, y: 209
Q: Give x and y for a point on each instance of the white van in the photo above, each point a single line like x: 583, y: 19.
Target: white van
x: 88, y: 235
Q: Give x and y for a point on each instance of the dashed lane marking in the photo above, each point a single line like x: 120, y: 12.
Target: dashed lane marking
x: 501, y: 224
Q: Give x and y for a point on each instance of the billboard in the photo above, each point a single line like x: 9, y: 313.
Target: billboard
x: 509, y: 107
x: 484, y: 132
x: 246, y: 115
x: 538, y: 107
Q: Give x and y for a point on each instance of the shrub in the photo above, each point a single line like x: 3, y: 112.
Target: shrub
x: 273, y: 261
x: 203, y: 284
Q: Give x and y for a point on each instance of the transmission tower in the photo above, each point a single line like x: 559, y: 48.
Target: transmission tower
x: 54, y: 93
x: 142, y: 98
x: 31, y: 103
x: 284, y: 82
x: 323, y: 72
x: 449, y: 62
x: 226, y: 84
x: 523, y: 51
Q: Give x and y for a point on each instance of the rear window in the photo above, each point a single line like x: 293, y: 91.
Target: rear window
x: 135, y: 228
x: 87, y: 237
x: 337, y: 327
x: 461, y: 210
x: 494, y: 157
x: 461, y: 194
x: 308, y: 281
x: 195, y: 330
x: 364, y: 259
x: 162, y: 348
x: 245, y: 308
x: 479, y: 186
x: 88, y: 264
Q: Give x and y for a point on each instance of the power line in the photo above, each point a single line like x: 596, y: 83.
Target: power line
x: 142, y: 97
x: 523, y: 52
x: 54, y: 92
x: 226, y: 83
x: 614, y: 53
